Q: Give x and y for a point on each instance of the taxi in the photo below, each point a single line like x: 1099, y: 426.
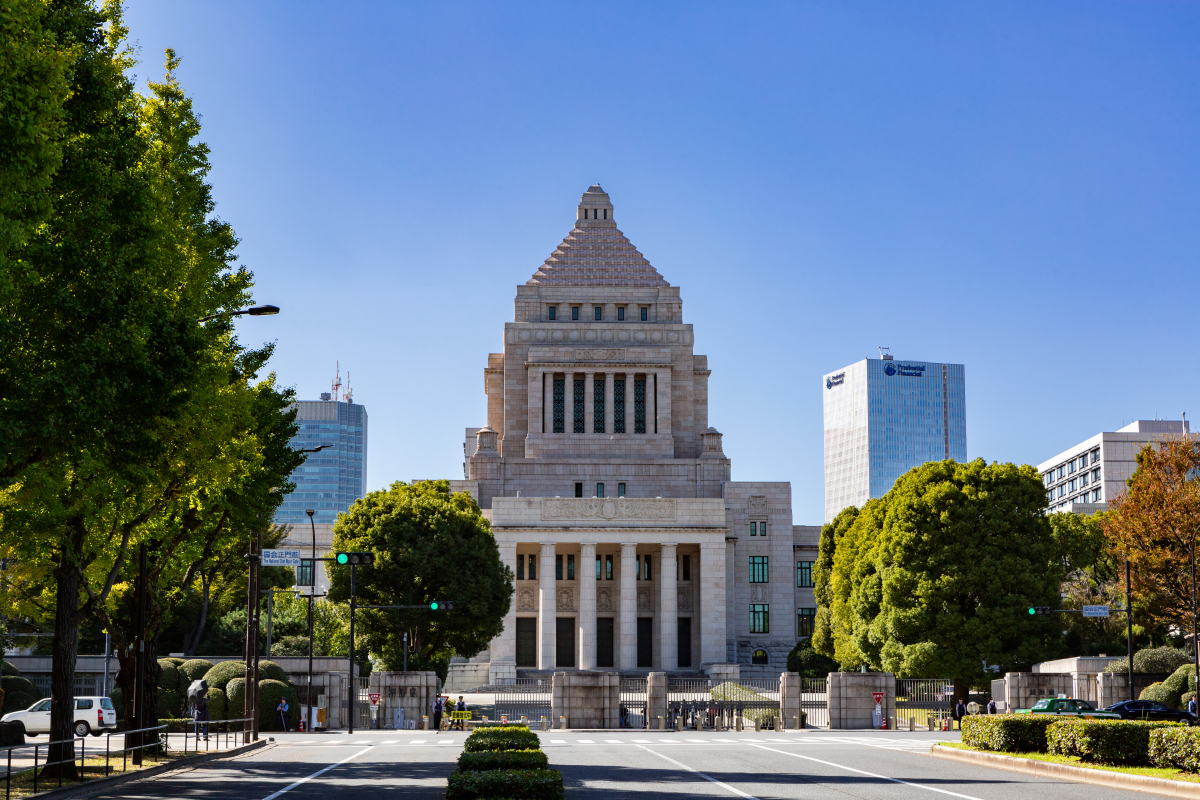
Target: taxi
x: 1068, y: 707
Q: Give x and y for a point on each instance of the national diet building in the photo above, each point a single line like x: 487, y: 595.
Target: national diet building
x: 608, y: 491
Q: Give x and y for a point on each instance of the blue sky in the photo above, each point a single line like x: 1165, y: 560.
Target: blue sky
x: 1012, y: 186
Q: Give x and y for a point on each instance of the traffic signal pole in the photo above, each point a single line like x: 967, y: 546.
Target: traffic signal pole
x: 353, y: 677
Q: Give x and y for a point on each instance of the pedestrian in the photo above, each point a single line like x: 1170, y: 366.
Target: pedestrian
x: 960, y: 711
x: 991, y: 706
x: 282, y: 709
x: 200, y: 714
x: 461, y: 706
x: 1191, y: 706
x: 437, y: 714
x: 624, y: 717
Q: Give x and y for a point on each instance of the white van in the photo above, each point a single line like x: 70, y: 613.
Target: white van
x: 93, y: 715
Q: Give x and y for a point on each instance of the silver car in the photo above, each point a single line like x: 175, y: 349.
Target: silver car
x: 93, y: 715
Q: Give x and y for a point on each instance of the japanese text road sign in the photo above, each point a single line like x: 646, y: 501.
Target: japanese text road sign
x: 281, y: 558
x: 878, y: 697
x: 1095, y: 611
x: 374, y: 698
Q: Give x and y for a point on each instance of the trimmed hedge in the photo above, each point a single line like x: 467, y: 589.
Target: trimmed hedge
x: 503, y: 740
x: 1161, y: 693
x: 168, y: 676
x: 520, y: 784
x: 1007, y: 733
x: 503, y: 759
x: 1175, y: 747
x: 1123, y: 742
x: 193, y: 670
x: 220, y: 675
x: 17, y: 701
x: 271, y: 671
x: 170, y: 704
x: 8, y: 669
x: 218, y: 706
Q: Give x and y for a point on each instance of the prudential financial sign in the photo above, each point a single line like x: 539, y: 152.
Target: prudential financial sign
x: 835, y: 380
x: 904, y: 370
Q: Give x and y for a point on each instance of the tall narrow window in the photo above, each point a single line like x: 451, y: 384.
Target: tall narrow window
x: 571, y: 568
x: 599, y: 313
x: 598, y: 574
x: 520, y: 567
x: 599, y: 490
x: 558, y: 576
x: 687, y: 567
x: 606, y: 213
x: 804, y: 574
x: 532, y: 567
x: 645, y: 313
x: 759, y: 570
x: 639, y: 406
x: 760, y: 618
x: 754, y: 529
x: 553, y: 312
x: 620, y: 490
x: 618, y: 405
x: 646, y: 572
x: 598, y: 386
x: 621, y: 313
x: 560, y: 405
x: 608, y: 568
x: 574, y: 312
x: 579, y: 489
x: 579, y: 385
x: 805, y: 617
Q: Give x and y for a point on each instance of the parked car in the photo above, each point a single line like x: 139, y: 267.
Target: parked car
x: 1148, y: 709
x: 1068, y: 707
x: 93, y: 715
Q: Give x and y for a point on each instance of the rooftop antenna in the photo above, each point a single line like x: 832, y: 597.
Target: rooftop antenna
x: 885, y: 353
x: 337, y: 382
x: 349, y: 396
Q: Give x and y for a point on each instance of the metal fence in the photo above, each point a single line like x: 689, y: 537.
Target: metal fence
x: 531, y: 699
x: 814, y: 702
x: 633, y: 702
x: 362, y: 704
x: 700, y: 704
x: 26, y: 761
x: 923, y: 702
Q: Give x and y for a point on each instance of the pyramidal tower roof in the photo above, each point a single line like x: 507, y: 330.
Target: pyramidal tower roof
x: 595, y: 252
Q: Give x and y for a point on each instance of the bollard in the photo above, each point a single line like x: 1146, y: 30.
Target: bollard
x: 740, y: 723
x: 545, y: 724
x: 662, y: 725
x: 757, y: 725
x: 719, y: 723
x: 425, y: 723
x: 524, y: 720
x: 796, y: 725
x: 562, y: 723
x: 781, y: 723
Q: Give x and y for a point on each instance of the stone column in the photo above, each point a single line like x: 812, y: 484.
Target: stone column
x: 536, y: 414
x: 587, y: 605
x: 609, y: 377
x: 663, y: 405
x: 589, y: 404
x: 668, y: 614
x: 628, y: 657
x: 504, y: 647
x: 547, y: 608
x: 712, y: 603
x: 629, y: 402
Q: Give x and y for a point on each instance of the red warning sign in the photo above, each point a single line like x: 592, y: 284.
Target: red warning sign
x: 878, y: 697
x: 375, y: 698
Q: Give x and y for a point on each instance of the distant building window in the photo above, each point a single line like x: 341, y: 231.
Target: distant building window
x: 760, y: 618
x: 1095, y: 455
x: 646, y: 573
x: 579, y: 490
x: 558, y: 572
x: 618, y: 405
x: 639, y: 406
x: 574, y: 312
x: 620, y: 490
x: 1071, y: 485
x: 578, y: 410
x: 758, y: 528
x: 521, y: 567
x: 532, y: 567
x: 599, y: 313
x: 1095, y: 476
x: 805, y: 617
x: 1083, y: 479
x: 608, y: 568
x: 599, y: 490
x: 1071, y: 467
x: 759, y: 572
x: 606, y: 213
x: 598, y: 562
x: 553, y: 312
x: 760, y: 658
x: 685, y: 563
x: 804, y: 578
x: 645, y: 313
x: 598, y: 386
x: 570, y: 567
x: 1095, y: 495
x: 621, y: 312
x: 560, y: 405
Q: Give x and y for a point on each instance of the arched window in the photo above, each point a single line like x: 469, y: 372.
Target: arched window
x: 759, y: 658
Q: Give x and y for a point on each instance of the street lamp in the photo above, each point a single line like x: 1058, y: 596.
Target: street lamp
x: 256, y: 311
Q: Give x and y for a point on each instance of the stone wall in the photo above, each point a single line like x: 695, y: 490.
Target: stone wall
x: 851, y: 703
x: 410, y: 692
x: 1023, y: 689
x: 587, y: 699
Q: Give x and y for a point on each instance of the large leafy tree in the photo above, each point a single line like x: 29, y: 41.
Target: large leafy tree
x: 429, y: 544
x: 935, y: 578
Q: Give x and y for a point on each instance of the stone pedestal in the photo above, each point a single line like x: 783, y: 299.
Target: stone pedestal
x: 404, y: 697
x: 790, y: 688
x: 500, y: 674
x: 851, y: 704
x: 1023, y: 689
x: 587, y: 699
x: 722, y: 672
x: 656, y: 697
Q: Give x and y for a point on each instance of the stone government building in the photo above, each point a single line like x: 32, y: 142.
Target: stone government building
x: 610, y: 496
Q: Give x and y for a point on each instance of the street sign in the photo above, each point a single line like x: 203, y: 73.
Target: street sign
x: 878, y: 697
x: 374, y: 698
x: 1095, y: 611
x: 281, y: 558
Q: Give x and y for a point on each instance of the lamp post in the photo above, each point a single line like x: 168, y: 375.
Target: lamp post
x: 312, y: 590
x: 256, y: 311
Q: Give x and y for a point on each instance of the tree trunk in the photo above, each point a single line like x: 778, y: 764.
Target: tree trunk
x: 192, y: 643
x: 961, y: 690
x: 65, y: 648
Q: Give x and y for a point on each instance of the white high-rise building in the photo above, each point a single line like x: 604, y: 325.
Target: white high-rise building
x: 882, y: 418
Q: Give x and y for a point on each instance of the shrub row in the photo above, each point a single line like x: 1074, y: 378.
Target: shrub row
x: 1177, y: 747
x: 525, y: 784
x: 507, y: 738
x: 1007, y: 733
x: 1104, y: 741
x: 502, y: 759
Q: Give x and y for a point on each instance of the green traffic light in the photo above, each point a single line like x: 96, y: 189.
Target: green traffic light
x: 1033, y: 611
x: 433, y: 606
x: 343, y: 558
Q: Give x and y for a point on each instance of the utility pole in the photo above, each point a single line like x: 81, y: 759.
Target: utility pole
x: 1129, y: 625
x: 257, y: 620
x: 353, y: 677
x: 310, y: 722
x: 251, y: 633
x: 139, y: 658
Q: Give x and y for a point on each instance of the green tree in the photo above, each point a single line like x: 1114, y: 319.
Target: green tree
x: 935, y: 578
x: 429, y: 545
x: 831, y: 534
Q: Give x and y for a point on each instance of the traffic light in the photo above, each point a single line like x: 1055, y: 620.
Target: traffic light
x: 359, y: 559
x: 1039, y: 610
x: 441, y: 605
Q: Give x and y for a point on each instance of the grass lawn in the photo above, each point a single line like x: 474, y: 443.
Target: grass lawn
x: 22, y: 780
x: 1149, y: 772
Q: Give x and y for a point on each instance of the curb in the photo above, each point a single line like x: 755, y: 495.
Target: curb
x: 98, y: 785
x: 1096, y: 777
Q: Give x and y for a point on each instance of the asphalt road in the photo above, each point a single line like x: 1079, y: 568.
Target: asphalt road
x: 619, y: 764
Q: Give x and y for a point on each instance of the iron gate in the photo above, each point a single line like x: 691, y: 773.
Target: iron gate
x: 633, y: 702
x: 814, y: 702
x: 362, y: 705
x: 698, y: 704
x: 923, y: 702
x: 531, y: 699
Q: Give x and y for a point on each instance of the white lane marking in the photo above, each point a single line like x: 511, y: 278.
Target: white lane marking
x: 641, y: 741
x: 738, y: 792
x: 390, y: 741
x: 668, y: 741
x: 558, y: 741
x: 417, y: 741
x: 315, y: 774
x: 864, y: 772
x: 697, y: 740
x: 613, y: 741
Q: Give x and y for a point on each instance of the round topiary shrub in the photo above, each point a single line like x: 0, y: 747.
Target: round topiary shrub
x: 8, y: 669
x: 235, y: 693
x: 1160, y: 659
x: 170, y: 704
x: 218, y: 705
x: 1161, y: 693
x: 15, y: 683
x: 176, y: 660
x: 117, y: 695
x: 272, y: 671
x: 223, y: 673
x: 17, y: 701
x: 168, y: 676
x: 270, y: 692
x: 193, y: 670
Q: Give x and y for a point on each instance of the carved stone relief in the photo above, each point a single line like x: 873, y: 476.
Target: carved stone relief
x: 604, y: 599
x: 758, y: 595
x: 526, y: 599
x: 600, y: 354
x: 685, y: 598
x: 645, y: 596
x: 565, y: 599
x: 608, y: 508
x: 757, y: 507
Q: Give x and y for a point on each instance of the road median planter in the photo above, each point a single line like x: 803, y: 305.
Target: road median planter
x: 1007, y: 733
x: 1177, y: 748
x: 502, y: 759
x: 505, y: 762
x: 1118, y: 742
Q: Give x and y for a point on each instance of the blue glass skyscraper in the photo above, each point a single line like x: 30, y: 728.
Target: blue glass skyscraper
x: 882, y: 418
x: 331, y: 480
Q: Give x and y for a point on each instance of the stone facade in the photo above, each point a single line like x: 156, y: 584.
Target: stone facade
x: 609, y: 494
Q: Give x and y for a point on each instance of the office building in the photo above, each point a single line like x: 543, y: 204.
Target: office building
x: 882, y: 418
